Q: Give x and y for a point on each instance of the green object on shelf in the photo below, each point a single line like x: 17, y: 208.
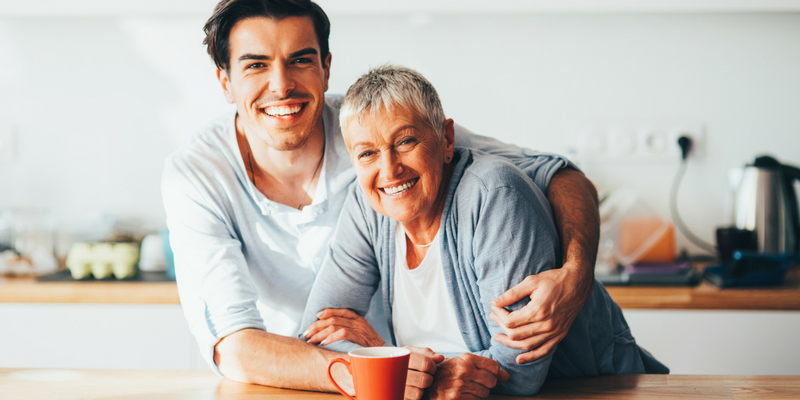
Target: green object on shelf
x: 102, y: 260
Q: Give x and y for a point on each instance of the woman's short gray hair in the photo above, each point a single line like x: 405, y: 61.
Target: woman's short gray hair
x: 389, y: 86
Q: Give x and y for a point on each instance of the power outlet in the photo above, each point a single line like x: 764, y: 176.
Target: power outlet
x: 695, y: 134
x: 8, y: 145
x: 639, y: 145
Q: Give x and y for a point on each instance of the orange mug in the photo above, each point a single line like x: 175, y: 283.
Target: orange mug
x: 379, y: 373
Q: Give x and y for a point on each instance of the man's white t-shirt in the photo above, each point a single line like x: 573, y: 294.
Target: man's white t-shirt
x: 422, y: 311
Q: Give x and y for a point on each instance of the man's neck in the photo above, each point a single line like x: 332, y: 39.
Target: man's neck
x: 284, y: 176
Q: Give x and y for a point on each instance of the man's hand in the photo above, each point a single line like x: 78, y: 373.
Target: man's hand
x: 421, y: 367
x: 557, y: 296
x: 337, y: 324
x: 467, y: 377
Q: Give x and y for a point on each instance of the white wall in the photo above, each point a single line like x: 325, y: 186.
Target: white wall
x: 99, y: 102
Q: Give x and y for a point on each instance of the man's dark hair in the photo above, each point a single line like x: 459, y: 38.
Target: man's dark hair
x: 228, y: 12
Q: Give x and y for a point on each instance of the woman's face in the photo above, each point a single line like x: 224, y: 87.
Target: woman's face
x: 399, y: 162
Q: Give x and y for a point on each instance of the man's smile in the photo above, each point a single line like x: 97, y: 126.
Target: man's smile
x: 283, y: 111
x: 395, y: 190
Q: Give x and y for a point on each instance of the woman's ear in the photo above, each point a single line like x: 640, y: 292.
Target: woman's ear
x: 448, y: 136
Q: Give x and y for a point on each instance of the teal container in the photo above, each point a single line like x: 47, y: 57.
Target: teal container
x: 168, y: 253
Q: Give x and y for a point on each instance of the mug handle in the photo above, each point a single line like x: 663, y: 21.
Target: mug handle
x: 330, y: 377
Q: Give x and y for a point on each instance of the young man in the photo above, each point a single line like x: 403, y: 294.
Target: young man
x: 253, y: 200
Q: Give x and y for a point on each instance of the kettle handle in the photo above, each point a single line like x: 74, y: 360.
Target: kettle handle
x: 791, y: 174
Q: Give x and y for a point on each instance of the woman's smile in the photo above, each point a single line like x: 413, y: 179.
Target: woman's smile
x: 397, y: 190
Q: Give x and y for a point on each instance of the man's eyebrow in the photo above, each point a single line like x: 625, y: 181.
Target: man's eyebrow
x: 250, y: 56
x: 306, y: 51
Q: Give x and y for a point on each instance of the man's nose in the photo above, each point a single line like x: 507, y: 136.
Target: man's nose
x: 281, y: 81
x: 391, y: 165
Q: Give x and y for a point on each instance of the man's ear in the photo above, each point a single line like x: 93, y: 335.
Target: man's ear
x: 449, y: 137
x: 326, y: 66
x: 222, y: 77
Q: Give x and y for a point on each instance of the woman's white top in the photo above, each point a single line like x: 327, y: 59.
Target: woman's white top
x: 422, y: 311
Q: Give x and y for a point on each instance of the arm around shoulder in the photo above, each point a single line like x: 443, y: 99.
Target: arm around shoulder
x: 518, y: 217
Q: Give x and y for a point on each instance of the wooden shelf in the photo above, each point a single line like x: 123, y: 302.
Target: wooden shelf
x: 706, y: 296
x: 703, y: 297
x: 28, y: 290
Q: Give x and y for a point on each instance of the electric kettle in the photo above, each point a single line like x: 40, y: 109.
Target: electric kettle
x: 766, y: 203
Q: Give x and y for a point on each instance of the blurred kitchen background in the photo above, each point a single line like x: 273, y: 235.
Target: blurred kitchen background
x: 95, y: 94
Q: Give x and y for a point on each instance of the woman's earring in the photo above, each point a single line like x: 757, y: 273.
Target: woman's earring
x: 447, y: 159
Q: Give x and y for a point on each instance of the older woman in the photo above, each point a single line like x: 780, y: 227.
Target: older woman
x: 443, y: 231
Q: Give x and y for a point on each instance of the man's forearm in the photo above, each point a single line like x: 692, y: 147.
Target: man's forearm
x: 574, y: 202
x: 255, y: 356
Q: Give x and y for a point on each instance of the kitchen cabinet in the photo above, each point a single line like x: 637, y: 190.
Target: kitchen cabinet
x: 720, y: 342
x: 70, y: 335
x: 131, y: 325
x: 699, y: 330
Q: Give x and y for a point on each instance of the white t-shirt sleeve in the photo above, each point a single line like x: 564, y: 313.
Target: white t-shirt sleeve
x: 214, y: 284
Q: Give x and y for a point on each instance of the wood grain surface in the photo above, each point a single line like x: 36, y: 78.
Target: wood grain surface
x: 28, y: 290
x: 37, y: 384
x: 706, y: 296
x: 702, y: 297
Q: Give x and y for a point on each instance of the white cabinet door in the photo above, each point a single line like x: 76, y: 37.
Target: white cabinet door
x: 126, y: 336
x: 720, y: 342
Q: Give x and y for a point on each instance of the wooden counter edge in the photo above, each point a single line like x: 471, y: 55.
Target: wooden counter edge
x: 30, y: 291
x: 702, y: 297
x: 78, y: 383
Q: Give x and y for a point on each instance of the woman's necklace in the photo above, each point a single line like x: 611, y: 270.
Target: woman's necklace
x: 305, y: 191
x: 421, y: 245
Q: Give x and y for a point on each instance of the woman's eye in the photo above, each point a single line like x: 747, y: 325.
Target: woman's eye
x: 407, y: 141
x: 365, y: 154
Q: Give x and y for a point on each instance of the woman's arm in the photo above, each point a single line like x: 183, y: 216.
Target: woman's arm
x: 514, y: 237
x: 558, y: 295
x: 348, y: 279
x: 350, y: 274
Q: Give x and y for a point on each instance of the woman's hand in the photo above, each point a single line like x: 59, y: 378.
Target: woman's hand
x: 337, y: 324
x: 421, y: 367
x: 557, y: 296
x: 466, y: 377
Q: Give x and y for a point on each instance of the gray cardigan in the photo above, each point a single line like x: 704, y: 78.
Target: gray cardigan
x: 496, y: 229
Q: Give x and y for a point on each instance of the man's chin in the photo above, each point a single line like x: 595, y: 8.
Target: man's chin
x: 289, y: 142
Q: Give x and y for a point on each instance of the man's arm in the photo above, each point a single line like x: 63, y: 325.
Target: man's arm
x: 557, y: 296
x: 255, y: 356
x: 218, y: 295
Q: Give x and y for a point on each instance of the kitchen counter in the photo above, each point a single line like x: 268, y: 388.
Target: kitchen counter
x: 706, y: 296
x: 702, y: 297
x: 161, y: 384
x: 28, y: 290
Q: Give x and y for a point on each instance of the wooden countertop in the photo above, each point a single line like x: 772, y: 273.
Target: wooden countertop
x: 706, y: 296
x: 28, y: 290
x: 702, y: 297
x: 134, y: 384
